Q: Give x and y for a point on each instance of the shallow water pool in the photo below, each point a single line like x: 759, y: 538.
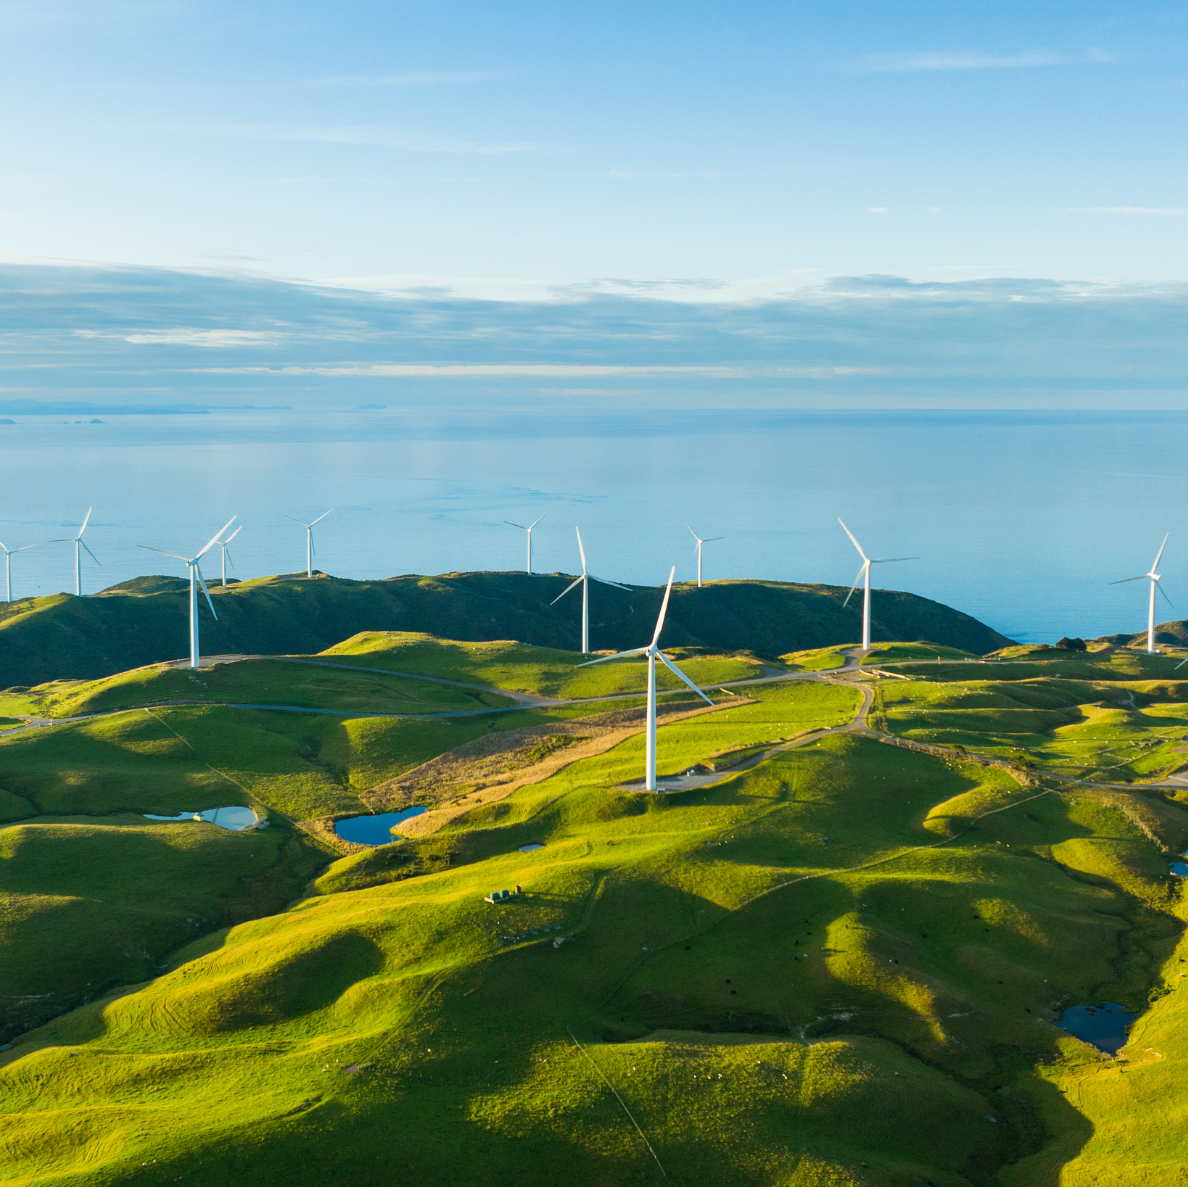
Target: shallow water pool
x: 1104, y: 1026
x: 233, y: 816
x: 373, y: 829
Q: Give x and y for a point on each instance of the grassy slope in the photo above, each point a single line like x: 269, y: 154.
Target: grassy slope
x: 709, y: 933
x: 1103, y: 719
x: 144, y: 621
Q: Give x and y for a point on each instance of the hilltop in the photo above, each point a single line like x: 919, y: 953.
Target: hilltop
x: 833, y: 954
x: 145, y: 620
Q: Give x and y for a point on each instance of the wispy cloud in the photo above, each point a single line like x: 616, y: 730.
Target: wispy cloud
x: 185, y: 336
x: 411, y: 78
x: 355, y: 134
x: 544, y: 370
x: 901, y: 63
x: 1129, y: 210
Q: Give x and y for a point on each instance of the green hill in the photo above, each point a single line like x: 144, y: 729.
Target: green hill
x: 1173, y: 633
x: 145, y: 620
x: 841, y: 964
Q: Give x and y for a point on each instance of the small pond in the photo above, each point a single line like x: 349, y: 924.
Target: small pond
x: 1102, y: 1026
x: 373, y: 829
x: 531, y: 846
x: 233, y: 816
x: 1179, y: 868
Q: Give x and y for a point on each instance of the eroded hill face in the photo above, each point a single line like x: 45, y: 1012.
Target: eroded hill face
x: 835, y: 959
x: 145, y: 621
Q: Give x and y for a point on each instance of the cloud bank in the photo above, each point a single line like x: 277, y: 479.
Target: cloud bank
x: 134, y: 335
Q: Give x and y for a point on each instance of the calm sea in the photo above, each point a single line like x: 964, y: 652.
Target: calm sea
x: 1021, y: 519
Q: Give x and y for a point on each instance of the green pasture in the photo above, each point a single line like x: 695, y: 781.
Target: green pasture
x: 273, y: 682
x: 87, y: 903
x: 839, y: 966
x: 545, y: 672
x: 1107, y: 731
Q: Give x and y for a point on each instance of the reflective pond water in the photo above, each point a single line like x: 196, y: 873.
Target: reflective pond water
x: 1102, y: 1026
x: 233, y: 816
x: 531, y: 846
x: 373, y: 829
x: 1179, y: 868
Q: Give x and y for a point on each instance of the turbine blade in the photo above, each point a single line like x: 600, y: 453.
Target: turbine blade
x: 1169, y: 602
x: 616, y: 656
x: 162, y: 551
x: 227, y: 554
x: 887, y: 560
x: 234, y: 534
x: 709, y: 538
x: 682, y: 676
x: 853, y: 538
x: 515, y: 525
x: 861, y: 571
x: 604, y: 581
x: 90, y: 554
x: 24, y: 547
x: 321, y: 517
x: 566, y: 591
x: 536, y: 521
x: 214, y: 539
x: 86, y: 521
x: 5, y: 547
x: 695, y: 536
x: 202, y: 583
x: 1142, y: 577
x: 62, y: 540
x: 663, y: 608
x: 296, y: 521
x: 581, y: 550
x: 1163, y: 546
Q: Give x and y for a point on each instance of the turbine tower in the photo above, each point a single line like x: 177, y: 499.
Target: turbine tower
x: 8, y: 567
x: 585, y: 580
x: 79, y: 543
x: 1153, y: 577
x: 528, y: 529
x: 864, y: 577
x: 195, y: 579
x: 226, y: 557
x: 697, y: 549
x: 309, y: 545
x: 652, y: 651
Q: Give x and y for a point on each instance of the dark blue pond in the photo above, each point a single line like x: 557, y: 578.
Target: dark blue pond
x: 373, y: 830
x: 1179, y: 868
x: 1102, y: 1026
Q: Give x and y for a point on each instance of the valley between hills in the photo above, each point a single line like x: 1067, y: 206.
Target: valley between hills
x: 834, y: 948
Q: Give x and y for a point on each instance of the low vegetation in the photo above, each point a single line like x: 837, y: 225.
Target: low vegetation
x: 842, y: 962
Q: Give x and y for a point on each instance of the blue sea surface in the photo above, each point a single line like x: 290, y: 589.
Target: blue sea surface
x: 1021, y: 519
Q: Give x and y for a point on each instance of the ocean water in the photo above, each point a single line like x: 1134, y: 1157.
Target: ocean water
x: 1021, y: 519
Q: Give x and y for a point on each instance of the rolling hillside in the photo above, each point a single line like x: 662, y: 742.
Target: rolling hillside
x: 144, y: 620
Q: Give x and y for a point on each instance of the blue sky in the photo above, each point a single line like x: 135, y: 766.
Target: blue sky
x: 712, y: 151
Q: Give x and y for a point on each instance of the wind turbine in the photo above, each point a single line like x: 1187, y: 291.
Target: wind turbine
x: 309, y: 546
x: 1153, y: 577
x: 78, y: 542
x: 652, y: 651
x: 864, y: 577
x: 195, y: 579
x: 585, y: 584
x: 223, y: 545
x: 528, y: 529
x: 697, y: 549
x: 8, y: 567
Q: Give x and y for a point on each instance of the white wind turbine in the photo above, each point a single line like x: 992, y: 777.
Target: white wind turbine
x: 8, y: 567
x: 864, y: 577
x: 528, y: 529
x: 79, y: 543
x: 195, y: 579
x: 1153, y: 577
x: 226, y: 557
x: 697, y: 549
x: 309, y: 545
x: 585, y: 580
x: 652, y: 651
